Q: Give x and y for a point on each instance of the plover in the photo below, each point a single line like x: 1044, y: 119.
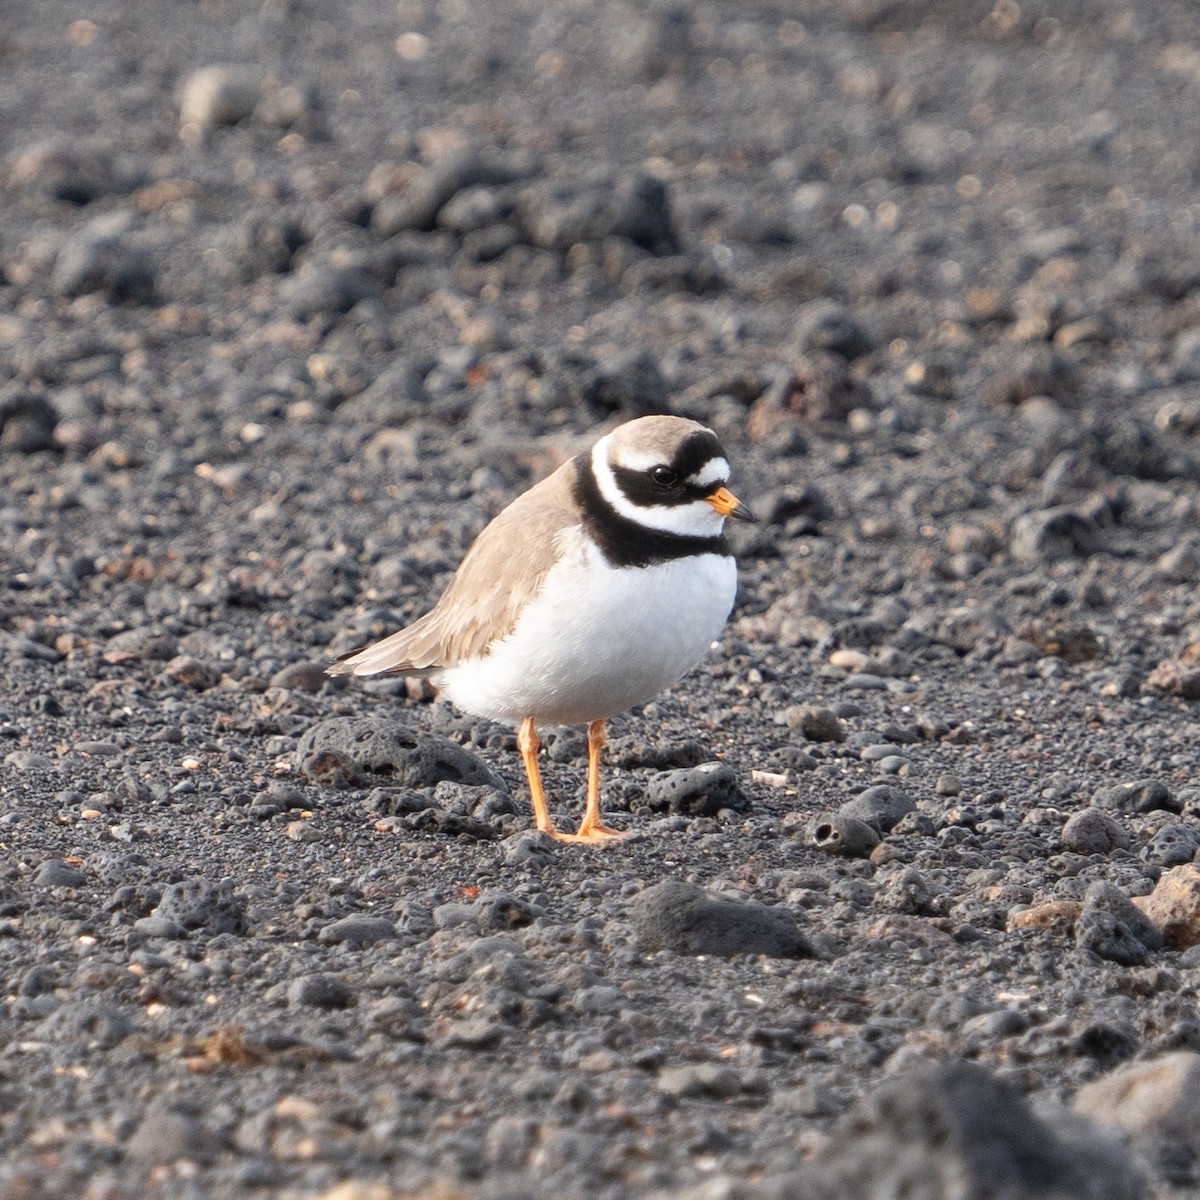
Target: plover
x: 587, y: 595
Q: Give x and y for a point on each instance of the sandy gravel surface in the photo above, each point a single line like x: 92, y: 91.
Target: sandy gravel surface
x: 294, y: 297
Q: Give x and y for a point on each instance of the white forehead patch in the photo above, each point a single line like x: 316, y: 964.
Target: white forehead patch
x: 716, y: 470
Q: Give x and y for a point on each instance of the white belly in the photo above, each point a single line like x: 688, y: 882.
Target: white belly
x: 598, y: 640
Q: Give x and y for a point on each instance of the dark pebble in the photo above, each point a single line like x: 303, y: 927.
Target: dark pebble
x: 198, y: 903
x: 1144, y: 795
x: 53, y: 873
x: 357, y: 931
x: 882, y: 807
x: 697, y: 791
x: 836, y: 833
x: 386, y: 747
x: 320, y: 991
x: 674, y: 915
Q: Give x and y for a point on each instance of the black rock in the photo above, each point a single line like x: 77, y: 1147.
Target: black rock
x: 199, y: 903
x: 53, y: 873
x: 322, y: 289
x: 320, y: 991
x: 630, y: 384
x: 881, y: 806
x: 101, y: 258
x: 836, y: 833
x: 384, y: 747
x: 358, y: 930
x: 696, y: 791
x: 675, y: 915
x: 27, y: 420
x: 438, y: 820
x: 827, y: 325
x: 1106, y: 897
x: 1106, y: 1043
x: 531, y: 849
x: 1111, y: 939
x: 954, y: 1130
x: 557, y: 214
x: 1141, y: 796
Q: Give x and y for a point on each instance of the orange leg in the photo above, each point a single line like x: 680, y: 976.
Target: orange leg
x: 529, y: 744
x: 592, y: 829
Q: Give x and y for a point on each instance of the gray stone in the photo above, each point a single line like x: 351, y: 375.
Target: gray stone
x: 701, y: 1079
x: 1156, y: 1100
x: 881, y: 806
x: 838, y: 834
x: 696, y: 791
x: 28, y: 760
x: 1110, y: 938
x: 1051, y: 534
x: 221, y: 94
x: 827, y: 325
x: 952, y: 1131
x: 817, y: 724
x: 320, y: 991
x: 27, y: 420
x: 1093, y: 831
x: 159, y: 927
x: 1104, y: 896
x: 1172, y: 845
x: 319, y: 289
x: 102, y: 258
x: 386, y: 747
x: 198, y: 903
x: 1138, y: 796
x: 531, y: 849
x: 419, y: 204
x: 86, y: 1022
x: 559, y: 213
x: 357, y: 930
x: 168, y: 1135
x: 1185, y: 360
x: 679, y: 916
x: 476, y: 1033
x: 53, y: 873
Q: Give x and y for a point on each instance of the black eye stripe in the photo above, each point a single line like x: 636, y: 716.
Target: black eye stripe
x: 695, y: 452
x: 643, y: 489
x: 625, y: 543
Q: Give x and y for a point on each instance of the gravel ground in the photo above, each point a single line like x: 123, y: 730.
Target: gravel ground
x: 294, y: 297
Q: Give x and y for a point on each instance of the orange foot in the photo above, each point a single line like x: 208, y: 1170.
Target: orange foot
x: 593, y: 835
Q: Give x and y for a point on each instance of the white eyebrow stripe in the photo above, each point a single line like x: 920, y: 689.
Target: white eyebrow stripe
x: 716, y: 470
x: 637, y: 460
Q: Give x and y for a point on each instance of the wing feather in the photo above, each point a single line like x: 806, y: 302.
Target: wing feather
x: 501, y: 573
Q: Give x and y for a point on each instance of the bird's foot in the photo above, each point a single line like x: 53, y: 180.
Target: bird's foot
x: 590, y: 835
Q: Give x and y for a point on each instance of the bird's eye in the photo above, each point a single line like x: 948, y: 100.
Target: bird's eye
x: 664, y: 476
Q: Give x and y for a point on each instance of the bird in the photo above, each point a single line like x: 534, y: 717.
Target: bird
x: 588, y: 595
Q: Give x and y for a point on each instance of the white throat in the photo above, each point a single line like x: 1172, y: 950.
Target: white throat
x: 698, y: 519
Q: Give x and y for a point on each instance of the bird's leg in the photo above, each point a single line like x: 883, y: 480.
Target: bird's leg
x: 592, y: 829
x: 529, y: 744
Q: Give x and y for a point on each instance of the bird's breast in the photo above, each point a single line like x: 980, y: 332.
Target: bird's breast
x: 598, y: 639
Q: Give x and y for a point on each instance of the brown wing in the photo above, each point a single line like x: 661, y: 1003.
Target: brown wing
x: 500, y: 574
